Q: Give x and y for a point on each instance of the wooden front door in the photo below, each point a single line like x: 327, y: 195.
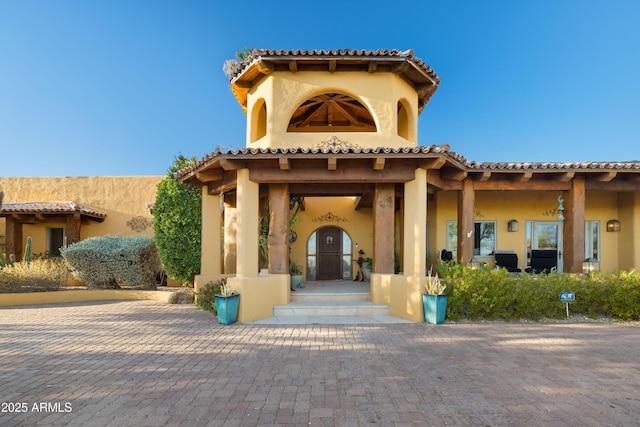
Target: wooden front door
x: 329, y: 253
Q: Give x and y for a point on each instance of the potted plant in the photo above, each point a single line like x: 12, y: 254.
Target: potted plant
x: 296, y: 275
x: 434, y: 299
x: 227, y: 303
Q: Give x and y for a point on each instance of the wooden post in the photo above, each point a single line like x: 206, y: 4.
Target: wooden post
x: 279, y: 228
x: 14, y: 238
x: 383, y: 228
x: 573, y: 230
x: 72, y: 229
x: 466, y: 227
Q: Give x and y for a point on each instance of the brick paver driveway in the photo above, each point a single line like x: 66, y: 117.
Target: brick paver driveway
x: 142, y: 363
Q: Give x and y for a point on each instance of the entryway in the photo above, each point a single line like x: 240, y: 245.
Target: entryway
x: 329, y: 255
x: 545, y: 235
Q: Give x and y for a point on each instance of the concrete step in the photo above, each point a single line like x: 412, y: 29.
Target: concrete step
x: 299, y: 296
x: 331, y: 308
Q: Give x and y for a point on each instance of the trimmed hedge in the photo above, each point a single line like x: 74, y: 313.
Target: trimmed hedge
x: 109, y: 261
x: 496, y: 294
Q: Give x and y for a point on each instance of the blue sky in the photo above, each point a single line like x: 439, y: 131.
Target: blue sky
x: 122, y: 87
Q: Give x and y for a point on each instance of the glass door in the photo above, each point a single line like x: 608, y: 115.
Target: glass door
x: 544, y: 235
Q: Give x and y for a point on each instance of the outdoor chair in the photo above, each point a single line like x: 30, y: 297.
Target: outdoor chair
x: 508, y: 260
x: 543, y: 260
x: 446, y: 256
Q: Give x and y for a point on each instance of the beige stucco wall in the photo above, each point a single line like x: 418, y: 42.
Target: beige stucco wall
x: 122, y: 198
x: 283, y: 92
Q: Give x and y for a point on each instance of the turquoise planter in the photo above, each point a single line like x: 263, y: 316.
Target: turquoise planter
x: 435, y: 307
x: 227, y: 308
x: 296, y: 281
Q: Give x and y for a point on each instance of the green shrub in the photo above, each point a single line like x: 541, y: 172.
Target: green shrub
x: 495, y: 294
x: 108, y: 261
x: 39, y: 275
x: 205, y: 298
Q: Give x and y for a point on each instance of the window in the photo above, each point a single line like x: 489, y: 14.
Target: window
x: 55, y: 240
x: 484, y: 238
x: 333, y: 112
x: 592, y: 239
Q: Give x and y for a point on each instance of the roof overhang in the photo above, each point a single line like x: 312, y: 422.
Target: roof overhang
x: 262, y: 63
x: 38, y: 212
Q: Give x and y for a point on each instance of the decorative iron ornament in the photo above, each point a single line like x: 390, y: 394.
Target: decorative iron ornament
x: 478, y: 214
x: 329, y: 217
x: 334, y: 143
x: 139, y: 223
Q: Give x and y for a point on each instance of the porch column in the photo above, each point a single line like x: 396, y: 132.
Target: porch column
x: 72, y: 228
x: 211, y: 238
x: 383, y: 228
x: 466, y: 227
x: 13, y: 238
x: 415, y: 225
x: 230, y: 233
x: 573, y: 230
x: 247, y: 233
x: 278, y: 228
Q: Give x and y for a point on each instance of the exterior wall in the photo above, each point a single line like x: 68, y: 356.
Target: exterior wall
x: 617, y: 250
x: 283, y: 92
x: 357, y: 223
x: 122, y: 198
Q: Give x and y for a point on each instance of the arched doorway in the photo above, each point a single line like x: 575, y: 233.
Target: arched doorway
x: 329, y: 254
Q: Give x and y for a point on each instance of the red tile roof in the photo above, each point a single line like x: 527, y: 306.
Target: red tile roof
x: 50, y: 208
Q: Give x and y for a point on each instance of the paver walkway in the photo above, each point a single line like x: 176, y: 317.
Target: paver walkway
x: 143, y: 363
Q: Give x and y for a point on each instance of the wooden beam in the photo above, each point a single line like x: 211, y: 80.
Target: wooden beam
x: 278, y: 239
x: 508, y: 185
x: 433, y: 163
x: 424, y: 89
x: 383, y: 228
x: 335, y: 189
x: 332, y: 65
x: 230, y: 165
x: 283, y: 163
x: 573, y: 232
x: 485, y: 176
x: 243, y: 84
x: 400, y: 67
x: 264, y: 67
x: 332, y: 163
x: 72, y: 228
x: 454, y: 174
x: 523, y: 177
x: 373, y: 66
x: 466, y: 227
x: 378, y: 163
x: 615, y: 185
x: 566, y: 176
x: 209, y: 175
x: 350, y: 175
x: 227, y: 183
x: 293, y: 66
x: 607, y: 176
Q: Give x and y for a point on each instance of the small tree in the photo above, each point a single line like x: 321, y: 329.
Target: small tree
x: 177, y: 223
x: 231, y: 66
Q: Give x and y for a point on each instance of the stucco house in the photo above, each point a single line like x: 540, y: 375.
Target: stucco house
x: 56, y: 211
x: 339, y: 130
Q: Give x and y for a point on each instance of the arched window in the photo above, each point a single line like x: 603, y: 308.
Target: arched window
x: 258, y: 120
x: 405, y: 122
x: 331, y: 112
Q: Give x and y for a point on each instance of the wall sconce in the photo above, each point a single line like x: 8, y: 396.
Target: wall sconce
x: 589, y: 265
x: 512, y: 225
x: 613, y: 225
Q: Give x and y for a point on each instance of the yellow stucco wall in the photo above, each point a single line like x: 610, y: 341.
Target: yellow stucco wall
x: 357, y: 223
x: 283, y: 92
x: 616, y: 249
x: 122, y: 198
